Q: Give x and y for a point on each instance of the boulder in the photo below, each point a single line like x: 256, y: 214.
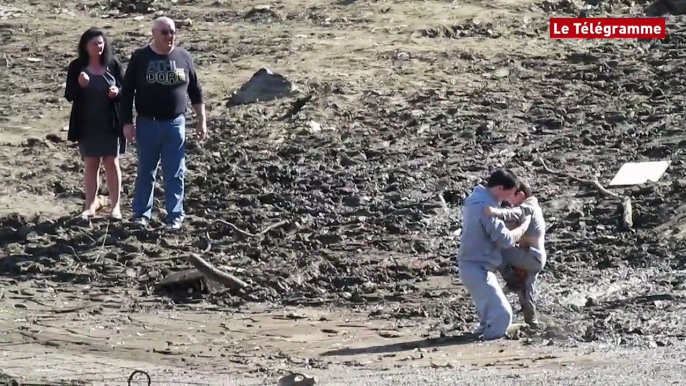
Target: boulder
x: 263, y: 86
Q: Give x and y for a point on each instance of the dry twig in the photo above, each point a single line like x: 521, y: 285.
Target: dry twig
x: 215, y: 274
x: 627, y: 217
x: 248, y: 234
x: 104, y: 240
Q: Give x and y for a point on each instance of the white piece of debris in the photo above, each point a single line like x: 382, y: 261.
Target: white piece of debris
x: 502, y: 72
x: 636, y: 173
x: 264, y: 86
x: 314, y: 127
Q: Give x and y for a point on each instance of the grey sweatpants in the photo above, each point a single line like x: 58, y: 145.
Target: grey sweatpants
x: 532, y: 262
x: 492, y: 307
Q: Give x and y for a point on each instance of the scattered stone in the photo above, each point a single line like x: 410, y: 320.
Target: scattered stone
x: 185, y: 23
x: 262, y: 13
x: 469, y: 29
x: 295, y: 316
x: 54, y: 138
x: 133, y: 6
x: 390, y: 334
x: 297, y: 379
x: 502, y: 72
x: 441, y: 365
x: 264, y: 86
x: 401, y: 56
x: 35, y: 141
x: 313, y: 127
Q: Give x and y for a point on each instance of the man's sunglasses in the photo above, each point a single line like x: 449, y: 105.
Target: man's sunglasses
x: 167, y: 32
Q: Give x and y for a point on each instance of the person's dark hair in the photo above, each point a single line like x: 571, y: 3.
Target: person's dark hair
x: 504, y: 178
x: 524, y: 188
x: 93, y: 32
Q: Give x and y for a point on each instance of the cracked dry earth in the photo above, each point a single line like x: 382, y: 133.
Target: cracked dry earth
x: 414, y: 103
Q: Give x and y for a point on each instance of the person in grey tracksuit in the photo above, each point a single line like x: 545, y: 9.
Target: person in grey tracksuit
x: 529, y: 255
x: 479, y: 256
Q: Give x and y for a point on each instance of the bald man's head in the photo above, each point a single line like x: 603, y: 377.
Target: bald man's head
x: 163, y: 22
x: 164, y: 34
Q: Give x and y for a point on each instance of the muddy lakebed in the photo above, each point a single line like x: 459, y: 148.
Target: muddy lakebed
x: 346, y: 196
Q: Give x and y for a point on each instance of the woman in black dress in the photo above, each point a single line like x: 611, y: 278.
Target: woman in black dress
x: 93, y: 83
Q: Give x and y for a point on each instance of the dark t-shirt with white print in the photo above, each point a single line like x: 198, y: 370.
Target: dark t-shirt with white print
x: 160, y: 84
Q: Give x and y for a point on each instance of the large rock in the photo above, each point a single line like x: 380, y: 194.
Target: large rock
x: 264, y: 86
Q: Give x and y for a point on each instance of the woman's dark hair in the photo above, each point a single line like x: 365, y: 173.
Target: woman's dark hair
x: 524, y: 188
x: 94, y: 32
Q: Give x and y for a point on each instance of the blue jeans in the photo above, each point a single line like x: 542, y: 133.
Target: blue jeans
x: 163, y: 140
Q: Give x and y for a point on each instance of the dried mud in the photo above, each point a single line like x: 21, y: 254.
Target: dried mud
x: 361, y: 208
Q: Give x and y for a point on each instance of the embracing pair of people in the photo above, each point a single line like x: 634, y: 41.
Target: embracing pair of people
x: 161, y: 77
x: 506, y: 240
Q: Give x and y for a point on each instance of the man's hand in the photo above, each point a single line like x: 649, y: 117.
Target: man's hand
x: 130, y: 132
x: 524, y: 245
x: 84, y: 79
x: 113, y: 92
x: 201, y: 130
x: 522, y: 228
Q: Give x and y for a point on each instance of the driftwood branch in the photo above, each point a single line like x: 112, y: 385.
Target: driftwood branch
x: 627, y: 217
x: 215, y: 274
x: 248, y: 234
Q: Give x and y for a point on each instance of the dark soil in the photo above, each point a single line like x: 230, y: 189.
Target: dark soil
x: 359, y: 203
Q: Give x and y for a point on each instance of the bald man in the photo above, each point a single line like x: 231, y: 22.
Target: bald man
x: 161, y: 77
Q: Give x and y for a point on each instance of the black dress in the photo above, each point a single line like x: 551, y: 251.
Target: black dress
x: 94, y: 120
x: 98, y: 136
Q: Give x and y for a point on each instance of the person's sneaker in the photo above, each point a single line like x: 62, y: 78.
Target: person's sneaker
x: 142, y: 221
x: 174, y: 225
x: 534, y: 324
x: 479, y: 330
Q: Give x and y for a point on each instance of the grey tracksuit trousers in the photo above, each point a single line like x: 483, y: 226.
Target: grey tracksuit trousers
x: 492, y: 307
x: 532, y: 262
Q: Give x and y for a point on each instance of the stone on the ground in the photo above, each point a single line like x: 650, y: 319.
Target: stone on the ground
x: 263, y: 86
x: 297, y: 379
x: 132, y: 6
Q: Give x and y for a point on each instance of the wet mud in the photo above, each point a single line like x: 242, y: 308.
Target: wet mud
x: 349, y: 194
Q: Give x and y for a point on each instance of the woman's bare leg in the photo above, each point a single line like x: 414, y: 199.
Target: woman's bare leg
x: 113, y: 176
x: 91, y: 186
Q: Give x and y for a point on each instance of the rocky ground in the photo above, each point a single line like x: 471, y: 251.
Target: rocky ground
x: 340, y: 205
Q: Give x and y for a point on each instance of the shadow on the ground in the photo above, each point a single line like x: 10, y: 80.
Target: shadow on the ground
x: 406, y: 346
